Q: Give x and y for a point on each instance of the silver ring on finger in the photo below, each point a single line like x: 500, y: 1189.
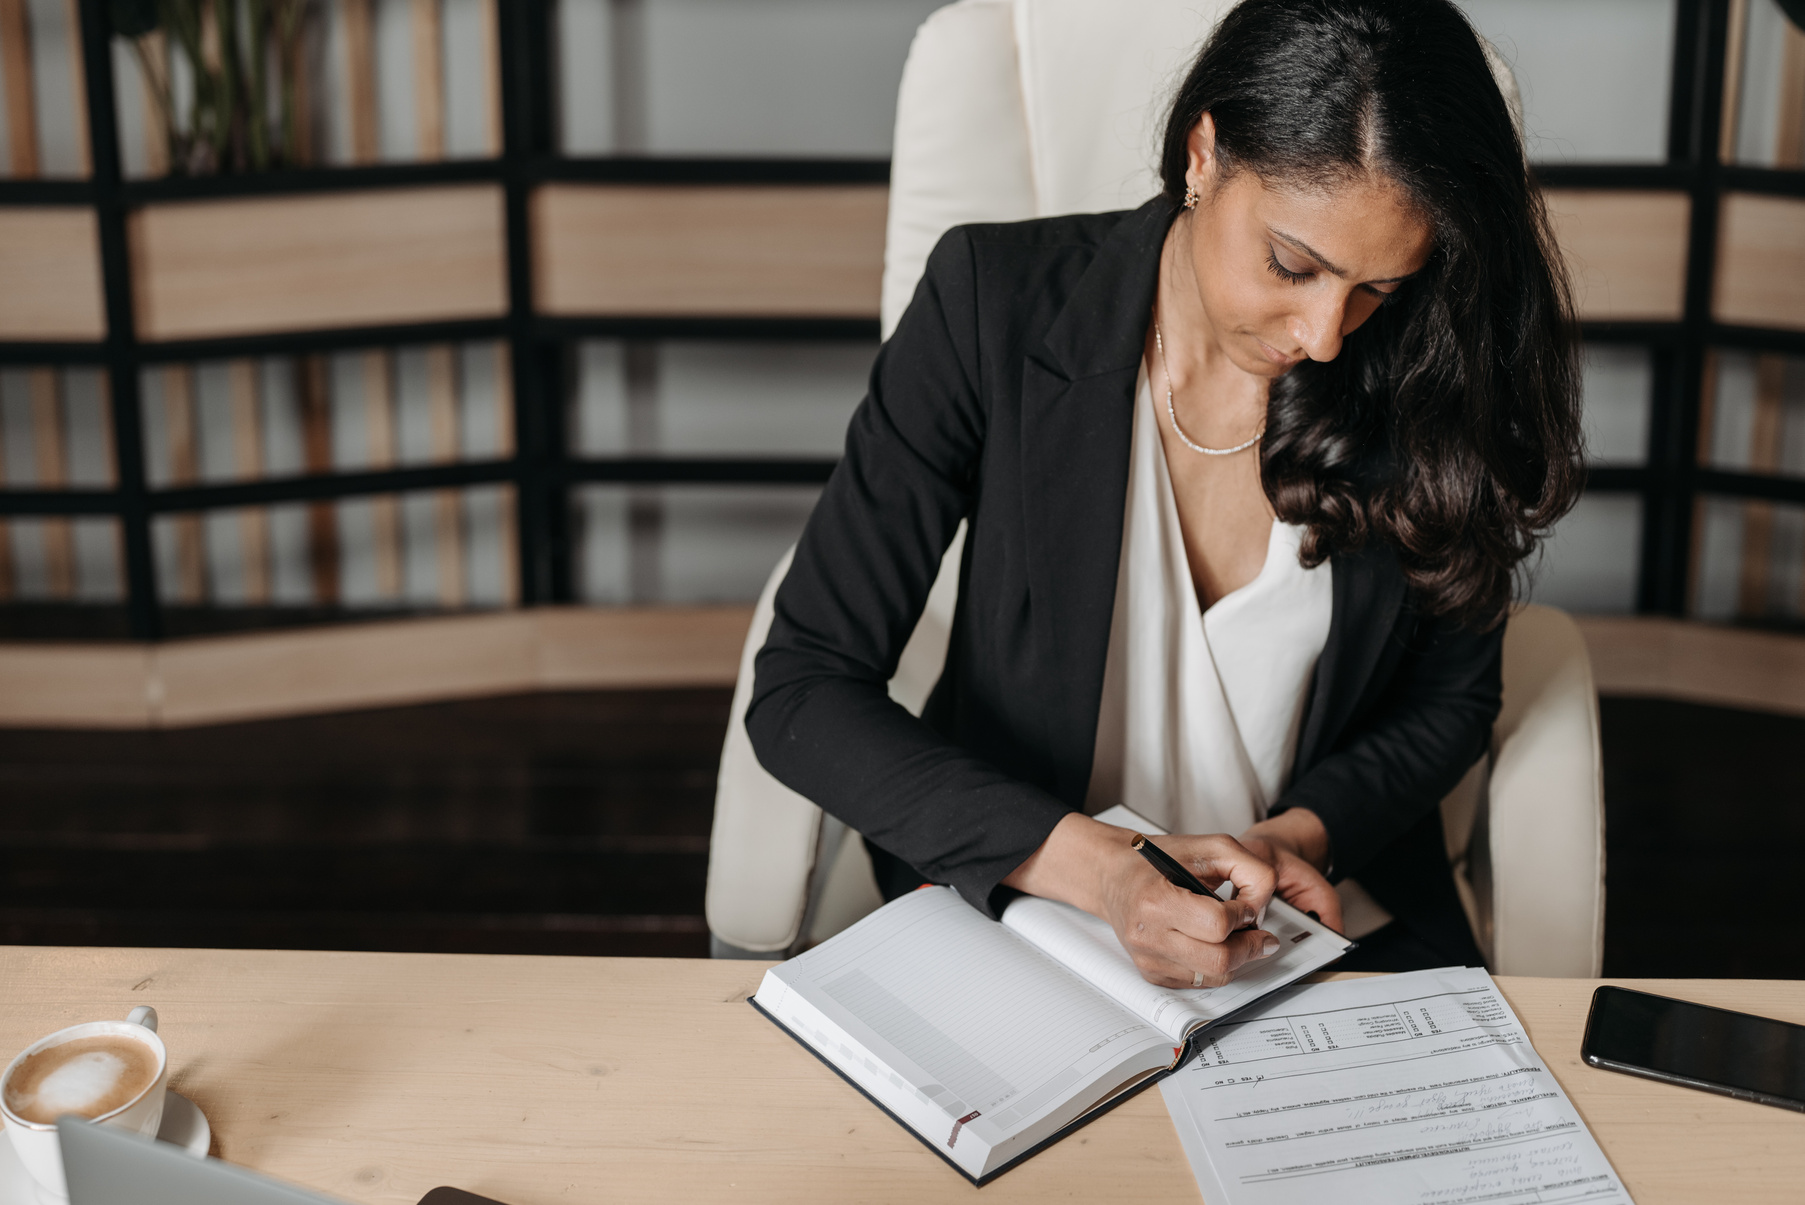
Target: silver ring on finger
x: 1196, y: 978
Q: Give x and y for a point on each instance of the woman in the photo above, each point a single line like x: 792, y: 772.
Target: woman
x: 1248, y: 474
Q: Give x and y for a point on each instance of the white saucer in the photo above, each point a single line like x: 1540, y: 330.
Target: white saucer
x: 184, y: 1125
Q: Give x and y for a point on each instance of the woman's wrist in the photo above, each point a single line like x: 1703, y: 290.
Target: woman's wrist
x: 1073, y: 865
x: 1299, y: 830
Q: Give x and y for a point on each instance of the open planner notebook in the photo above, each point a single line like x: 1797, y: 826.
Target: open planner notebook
x: 990, y: 1040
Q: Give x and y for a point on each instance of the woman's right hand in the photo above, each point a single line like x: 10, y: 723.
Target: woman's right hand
x: 1174, y: 936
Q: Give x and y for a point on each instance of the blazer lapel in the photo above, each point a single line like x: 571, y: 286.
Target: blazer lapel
x: 1368, y: 589
x: 1077, y: 423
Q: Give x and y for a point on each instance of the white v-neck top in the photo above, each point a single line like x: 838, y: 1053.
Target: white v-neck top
x: 1201, y: 709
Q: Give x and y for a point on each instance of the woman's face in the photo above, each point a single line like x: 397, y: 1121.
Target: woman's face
x: 1283, y: 273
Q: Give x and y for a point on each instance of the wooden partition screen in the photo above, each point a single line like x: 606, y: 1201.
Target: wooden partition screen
x: 531, y: 250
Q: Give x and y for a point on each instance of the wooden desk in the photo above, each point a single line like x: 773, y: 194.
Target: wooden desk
x: 374, y: 1077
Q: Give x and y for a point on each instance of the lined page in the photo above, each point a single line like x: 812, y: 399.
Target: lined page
x: 941, y: 1004
x: 1089, y: 946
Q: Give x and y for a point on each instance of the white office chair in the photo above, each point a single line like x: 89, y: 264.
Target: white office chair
x: 1014, y: 109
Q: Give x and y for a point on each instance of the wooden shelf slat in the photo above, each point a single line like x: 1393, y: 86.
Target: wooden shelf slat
x: 239, y: 266
x: 815, y: 251
x: 343, y: 667
x: 207, y: 269
x: 1626, y: 252
x: 227, y: 678
x: 1761, y: 262
x: 50, y: 266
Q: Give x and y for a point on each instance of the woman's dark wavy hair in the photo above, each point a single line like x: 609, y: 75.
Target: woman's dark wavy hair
x: 1449, y: 425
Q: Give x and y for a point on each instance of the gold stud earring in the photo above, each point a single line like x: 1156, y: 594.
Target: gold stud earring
x: 1190, y: 196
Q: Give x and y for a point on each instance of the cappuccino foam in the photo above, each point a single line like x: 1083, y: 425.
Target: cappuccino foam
x: 89, y: 1077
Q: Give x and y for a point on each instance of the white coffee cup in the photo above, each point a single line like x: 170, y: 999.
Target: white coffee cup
x: 36, y: 1143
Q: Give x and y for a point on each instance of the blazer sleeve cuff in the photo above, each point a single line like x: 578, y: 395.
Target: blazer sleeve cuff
x: 979, y: 879
x: 1352, y: 839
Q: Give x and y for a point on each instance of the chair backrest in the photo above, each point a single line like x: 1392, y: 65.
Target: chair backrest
x: 1016, y: 109
x: 1536, y: 852
x: 779, y: 870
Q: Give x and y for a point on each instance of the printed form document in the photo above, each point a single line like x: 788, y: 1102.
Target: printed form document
x: 1418, y: 1088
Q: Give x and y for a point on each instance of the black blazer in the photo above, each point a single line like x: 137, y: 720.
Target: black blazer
x: 1005, y: 397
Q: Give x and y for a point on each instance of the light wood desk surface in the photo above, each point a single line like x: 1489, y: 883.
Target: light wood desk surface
x: 374, y: 1077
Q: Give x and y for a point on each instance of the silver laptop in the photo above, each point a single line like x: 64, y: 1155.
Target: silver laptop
x: 111, y: 1167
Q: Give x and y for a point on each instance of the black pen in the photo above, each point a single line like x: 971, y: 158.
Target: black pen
x: 1174, y: 870
x: 1171, y: 867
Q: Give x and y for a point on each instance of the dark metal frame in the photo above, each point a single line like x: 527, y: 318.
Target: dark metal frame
x: 1672, y: 480
x: 542, y: 469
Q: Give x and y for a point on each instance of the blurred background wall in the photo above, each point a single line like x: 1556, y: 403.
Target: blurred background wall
x: 427, y: 309
x: 660, y: 336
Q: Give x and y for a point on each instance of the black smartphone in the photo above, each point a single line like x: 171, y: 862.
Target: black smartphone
x: 1697, y: 1046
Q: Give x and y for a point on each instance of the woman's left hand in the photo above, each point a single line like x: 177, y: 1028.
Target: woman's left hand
x: 1295, y: 844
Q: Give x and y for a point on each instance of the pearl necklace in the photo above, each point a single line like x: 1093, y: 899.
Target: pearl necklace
x: 1172, y: 412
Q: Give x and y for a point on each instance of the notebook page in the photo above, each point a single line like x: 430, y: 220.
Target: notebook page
x: 1089, y: 946
x: 1416, y: 1089
x: 957, y: 1024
